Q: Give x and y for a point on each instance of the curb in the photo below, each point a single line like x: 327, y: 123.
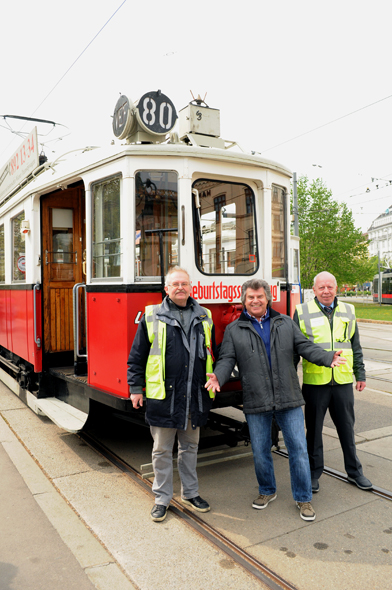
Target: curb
x: 366, y: 321
x: 98, y: 564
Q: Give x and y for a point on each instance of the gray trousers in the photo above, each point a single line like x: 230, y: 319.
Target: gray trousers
x: 162, y: 462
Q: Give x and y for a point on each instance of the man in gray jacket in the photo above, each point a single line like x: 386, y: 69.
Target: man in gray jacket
x: 262, y: 343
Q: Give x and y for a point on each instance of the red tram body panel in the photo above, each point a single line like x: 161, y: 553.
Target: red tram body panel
x: 17, y: 325
x: 112, y: 322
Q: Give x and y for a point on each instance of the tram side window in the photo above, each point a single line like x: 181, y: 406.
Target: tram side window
x: 156, y: 202
x: 18, y: 249
x: 225, y: 228
x: 278, y: 232
x: 106, y: 229
x: 2, y: 255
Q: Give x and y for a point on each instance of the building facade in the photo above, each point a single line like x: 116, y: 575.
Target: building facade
x: 380, y: 236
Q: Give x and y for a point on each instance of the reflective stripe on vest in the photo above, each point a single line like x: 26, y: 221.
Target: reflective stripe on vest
x: 315, y: 325
x: 155, y: 369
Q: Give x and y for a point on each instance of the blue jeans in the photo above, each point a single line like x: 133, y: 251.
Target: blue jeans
x: 291, y: 423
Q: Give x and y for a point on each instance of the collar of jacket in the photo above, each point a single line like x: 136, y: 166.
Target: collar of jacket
x: 197, y: 310
x: 335, y: 304
x: 243, y: 317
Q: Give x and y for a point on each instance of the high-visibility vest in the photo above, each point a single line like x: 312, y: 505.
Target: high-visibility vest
x: 315, y: 325
x: 155, y: 369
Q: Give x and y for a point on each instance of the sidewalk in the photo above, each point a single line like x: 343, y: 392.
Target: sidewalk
x: 43, y: 543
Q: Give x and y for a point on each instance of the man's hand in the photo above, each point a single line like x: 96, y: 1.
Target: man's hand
x: 212, y: 383
x: 337, y: 359
x: 137, y: 400
x: 360, y: 386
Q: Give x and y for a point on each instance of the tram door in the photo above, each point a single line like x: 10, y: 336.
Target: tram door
x: 63, y: 247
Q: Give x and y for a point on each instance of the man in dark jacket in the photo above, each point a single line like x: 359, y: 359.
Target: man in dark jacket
x: 262, y: 343
x: 171, y: 354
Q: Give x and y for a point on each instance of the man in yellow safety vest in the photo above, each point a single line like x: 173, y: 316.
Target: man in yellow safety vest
x: 332, y: 325
x: 171, y: 354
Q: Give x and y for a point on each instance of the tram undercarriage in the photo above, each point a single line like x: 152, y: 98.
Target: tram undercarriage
x: 69, y: 401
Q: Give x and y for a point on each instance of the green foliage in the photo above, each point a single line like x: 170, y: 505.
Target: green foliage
x: 329, y: 239
x: 372, y: 311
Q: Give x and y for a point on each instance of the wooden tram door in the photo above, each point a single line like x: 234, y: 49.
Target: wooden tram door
x: 63, y: 245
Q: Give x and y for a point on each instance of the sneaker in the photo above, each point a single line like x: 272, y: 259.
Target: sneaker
x: 361, y: 482
x: 262, y: 501
x: 197, y: 503
x: 159, y: 512
x: 306, y: 511
x: 315, y: 485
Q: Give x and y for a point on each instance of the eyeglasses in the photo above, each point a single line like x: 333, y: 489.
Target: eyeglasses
x: 175, y: 285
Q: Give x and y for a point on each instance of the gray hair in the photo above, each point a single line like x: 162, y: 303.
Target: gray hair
x: 256, y: 284
x: 324, y: 272
x: 172, y: 270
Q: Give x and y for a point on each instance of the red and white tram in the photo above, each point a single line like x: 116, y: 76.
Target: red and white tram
x: 85, y: 241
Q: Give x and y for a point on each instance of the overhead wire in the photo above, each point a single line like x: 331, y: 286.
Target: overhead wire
x: 69, y: 69
x: 79, y: 56
x: 326, y: 124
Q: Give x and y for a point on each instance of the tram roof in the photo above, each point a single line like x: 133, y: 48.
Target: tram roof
x: 72, y: 166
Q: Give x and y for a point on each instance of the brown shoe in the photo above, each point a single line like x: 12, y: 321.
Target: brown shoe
x: 262, y: 501
x: 306, y: 511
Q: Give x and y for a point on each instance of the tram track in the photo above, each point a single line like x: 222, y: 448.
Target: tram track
x: 385, y: 494
x: 270, y: 579
x: 370, y: 350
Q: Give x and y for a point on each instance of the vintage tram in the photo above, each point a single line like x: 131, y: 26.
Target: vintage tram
x: 86, y: 239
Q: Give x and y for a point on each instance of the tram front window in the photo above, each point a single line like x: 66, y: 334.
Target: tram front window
x: 156, y: 195
x: 225, y: 228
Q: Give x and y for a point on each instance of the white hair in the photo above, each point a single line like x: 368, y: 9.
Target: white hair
x: 172, y: 270
x: 324, y: 272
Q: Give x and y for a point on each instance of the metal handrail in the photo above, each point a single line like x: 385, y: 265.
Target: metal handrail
x: 37, y: 340
x: 76, y: 321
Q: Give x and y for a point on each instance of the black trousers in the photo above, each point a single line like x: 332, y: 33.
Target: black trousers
x: 339, y: 399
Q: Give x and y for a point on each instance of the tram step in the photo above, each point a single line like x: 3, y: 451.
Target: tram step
x: 62, y: 414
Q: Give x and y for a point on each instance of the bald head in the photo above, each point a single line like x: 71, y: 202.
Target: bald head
x: 324, y: 276
x: 325, y: 287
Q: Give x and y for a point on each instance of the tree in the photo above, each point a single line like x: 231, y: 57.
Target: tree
x: 329, y: 239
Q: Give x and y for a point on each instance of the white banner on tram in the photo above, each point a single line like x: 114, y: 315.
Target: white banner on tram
x: 221, y: 292
x: 22, y: 163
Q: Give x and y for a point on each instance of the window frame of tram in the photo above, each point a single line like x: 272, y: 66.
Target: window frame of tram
x: 278, y: 232
x: 156, y: 207
x: 18, y: 252
x: 106, y: 236
x: 2, y: 254
x: 225, y: 200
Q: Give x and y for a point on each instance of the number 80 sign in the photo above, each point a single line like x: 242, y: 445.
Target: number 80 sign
x: 156, y: 113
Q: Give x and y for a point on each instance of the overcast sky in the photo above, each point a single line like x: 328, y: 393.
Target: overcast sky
x: 279, y: 71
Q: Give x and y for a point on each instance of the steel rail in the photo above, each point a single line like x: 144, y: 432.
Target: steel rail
x: 378, y: 360
x: 270, y: 579
x: 385, y: 494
